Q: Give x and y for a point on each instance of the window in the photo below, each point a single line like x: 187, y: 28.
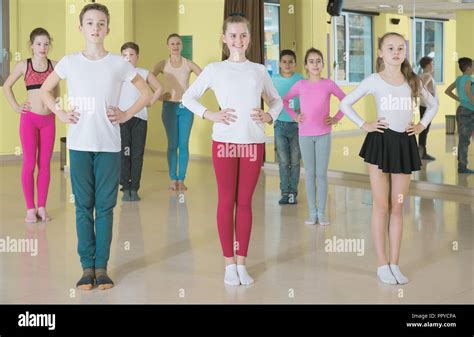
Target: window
x: 4, y: 46
x: 271, y: 48
x: 353, y: 47
x: 428, y: 38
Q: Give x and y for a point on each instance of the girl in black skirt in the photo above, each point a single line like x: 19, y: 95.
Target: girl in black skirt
x: 390, y: 147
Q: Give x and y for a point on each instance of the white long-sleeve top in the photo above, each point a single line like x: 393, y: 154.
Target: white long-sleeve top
x: 239, y: 86
x: 430, y: 78
x: 393, y: 102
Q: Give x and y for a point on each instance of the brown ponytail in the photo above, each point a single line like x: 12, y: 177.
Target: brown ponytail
x: 39, y: 32
x: 406, y: 69
x: 173, y: 35
x: 412, y: 79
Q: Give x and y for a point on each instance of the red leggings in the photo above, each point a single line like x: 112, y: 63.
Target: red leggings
x: 237, y: 168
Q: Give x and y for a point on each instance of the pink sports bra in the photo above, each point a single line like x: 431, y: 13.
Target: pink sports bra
x: 34, y: 79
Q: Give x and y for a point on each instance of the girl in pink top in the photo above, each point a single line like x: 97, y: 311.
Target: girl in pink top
x: 315, y: 126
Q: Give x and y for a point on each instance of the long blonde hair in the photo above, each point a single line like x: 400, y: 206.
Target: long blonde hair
x: 406, y: 69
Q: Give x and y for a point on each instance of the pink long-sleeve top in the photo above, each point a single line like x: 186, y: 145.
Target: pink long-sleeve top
x: 315, y: 100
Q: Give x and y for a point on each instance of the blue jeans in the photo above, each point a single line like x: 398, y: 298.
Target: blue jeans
x: 95, y: 179
x: 178, y: 122
x: 465, y: 120
x: 289, y: 156
x: 315, y: 151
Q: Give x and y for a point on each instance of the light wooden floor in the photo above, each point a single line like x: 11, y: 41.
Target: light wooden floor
x: 166, y: 249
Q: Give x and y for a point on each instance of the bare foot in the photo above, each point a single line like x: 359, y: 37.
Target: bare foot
x: 43, y: 215
x: 182, y: 186
x: 31, y: 216
x: 173, y: 185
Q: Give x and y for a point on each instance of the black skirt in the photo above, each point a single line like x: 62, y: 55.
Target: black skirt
x: 391, y: 151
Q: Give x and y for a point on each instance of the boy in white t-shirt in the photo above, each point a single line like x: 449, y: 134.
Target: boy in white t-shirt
x: 94, y: 80
x: 426, y: 63
x: 133, y: 132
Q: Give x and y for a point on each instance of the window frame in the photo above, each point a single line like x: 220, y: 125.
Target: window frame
x: 5, y: 44
x: 415, y: 63
x: 345, y: 15
x: 274, y: 3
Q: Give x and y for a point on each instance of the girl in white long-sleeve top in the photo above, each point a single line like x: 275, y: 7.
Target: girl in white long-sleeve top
x: 238, y: 138
x: 390, y: 147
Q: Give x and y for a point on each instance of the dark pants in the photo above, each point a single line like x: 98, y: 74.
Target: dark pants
x: 133, y: 134
x: 424, y: 134
x: 465, y: 120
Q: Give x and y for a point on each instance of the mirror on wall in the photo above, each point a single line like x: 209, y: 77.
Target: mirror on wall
x: 435, y: 29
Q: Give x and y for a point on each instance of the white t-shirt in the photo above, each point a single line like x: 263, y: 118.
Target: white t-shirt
x: 239, y: 86
x: 92, y: 87
x: 130, y: 95
x: 393, y: 102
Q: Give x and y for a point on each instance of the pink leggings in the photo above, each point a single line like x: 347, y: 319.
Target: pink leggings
x: 237, y: 168
x: 37, y: 139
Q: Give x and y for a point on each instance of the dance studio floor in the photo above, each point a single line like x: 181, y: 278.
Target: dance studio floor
x: 165, y: 249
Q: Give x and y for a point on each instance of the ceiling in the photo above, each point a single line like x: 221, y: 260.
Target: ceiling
x: 440, y: 9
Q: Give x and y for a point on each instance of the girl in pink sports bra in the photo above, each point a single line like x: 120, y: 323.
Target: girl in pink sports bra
x: 37, y: 123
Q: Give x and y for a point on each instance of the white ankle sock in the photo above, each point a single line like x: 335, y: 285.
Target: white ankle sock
x: 385, y: 275
x: 401, y: 279
x: 244, y: 277
x: 231, y: 277
x: 323, y: 220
